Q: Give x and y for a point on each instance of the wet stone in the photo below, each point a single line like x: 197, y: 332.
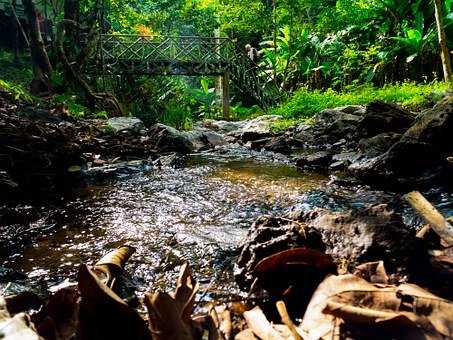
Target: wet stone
x: 315, y: 160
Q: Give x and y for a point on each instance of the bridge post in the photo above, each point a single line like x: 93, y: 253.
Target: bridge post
x: 226, y: 95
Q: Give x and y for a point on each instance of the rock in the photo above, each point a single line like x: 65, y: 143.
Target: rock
x: 173, y: 160
x: 405, y: 163
x: 364, y: 235
x: 205, y: 139
x: 347, y: 113
x: 351, y: 123
x: 343, y: 160
x: 381, y: 117
x: 125, y: 124
x: 377, y: 145
x: 116, y: 170
x: 167, y: 139
x: 284, y: 144
x: 258, y: 128
x: 420, y: 154
x: 221, y: 126
x: 267, y: 236
x: 331, y: 126
x: 354, y: 236
x: 315, y: 160
x: 259, y: 144
x: 435, y: 127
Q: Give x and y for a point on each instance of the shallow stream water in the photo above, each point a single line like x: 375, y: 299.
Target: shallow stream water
x: 197, y: 213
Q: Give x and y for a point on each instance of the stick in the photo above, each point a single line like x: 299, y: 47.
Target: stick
x: 281, y: 307
x: 435, y: 219
x: 258, y: 323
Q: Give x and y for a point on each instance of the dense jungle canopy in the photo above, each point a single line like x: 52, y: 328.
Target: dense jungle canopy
x: 342, y: 46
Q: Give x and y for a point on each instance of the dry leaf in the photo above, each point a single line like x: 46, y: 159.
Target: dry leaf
x: 58, y: 318
x: 392, y: 310
x: 104, y: 315
x: 294, y: 259
x: 18, y: 327
x: 169, y: 315
x: 246, y: 334
x: 112, y: 264
x: 373, y: 272
x: 258, y: 323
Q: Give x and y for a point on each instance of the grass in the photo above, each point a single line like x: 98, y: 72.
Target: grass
x: 306, y: 103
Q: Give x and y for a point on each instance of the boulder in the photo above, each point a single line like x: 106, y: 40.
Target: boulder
x: 381, y: 117
x: 351, y: 237
x: 407, y: 162
x: 351, y: 123
x: 346, y: 113
x: 268, y: 236
x: 435, y: 127
x: 258, y: 128
x: 221, y: 126
x: 125, y: 124
x: 342, y: 160
x: 167, y: 139
x: 377, y: 145
x: 203, y: 139
x: 419, y: 156
x: 317, y: 159
x: 364, y: 235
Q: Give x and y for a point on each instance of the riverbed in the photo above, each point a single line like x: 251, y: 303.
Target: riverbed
x: 198, y: 212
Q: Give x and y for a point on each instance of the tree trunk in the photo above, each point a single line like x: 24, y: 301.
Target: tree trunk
x: 445, y: 54
x: 15, y: 28
x: 42, y: 68
x: 71, y: 12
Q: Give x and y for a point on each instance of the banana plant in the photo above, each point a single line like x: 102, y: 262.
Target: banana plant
x: 415, y: 40
x: 279, y: 58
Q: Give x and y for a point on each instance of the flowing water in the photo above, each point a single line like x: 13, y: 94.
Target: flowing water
x: 198, y: 213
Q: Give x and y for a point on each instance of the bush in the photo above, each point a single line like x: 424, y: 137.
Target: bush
x: 306, y: 103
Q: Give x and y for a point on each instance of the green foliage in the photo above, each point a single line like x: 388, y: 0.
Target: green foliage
x: 70, y: 102
x: 239, y: 112
x: 305, y: 103
x: 17, y: 91
x: 18, y: 72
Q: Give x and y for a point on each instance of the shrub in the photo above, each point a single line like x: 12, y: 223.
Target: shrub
x: 305, y: 103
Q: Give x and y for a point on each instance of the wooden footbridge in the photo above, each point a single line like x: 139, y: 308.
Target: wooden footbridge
x: 119, y: 54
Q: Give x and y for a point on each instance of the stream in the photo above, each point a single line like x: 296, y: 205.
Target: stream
x: 197, y: 213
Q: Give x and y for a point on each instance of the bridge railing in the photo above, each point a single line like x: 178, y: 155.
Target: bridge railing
x: 116, y: 47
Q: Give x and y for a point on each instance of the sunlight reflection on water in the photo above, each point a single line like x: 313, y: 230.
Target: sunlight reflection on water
x: 169, y: 215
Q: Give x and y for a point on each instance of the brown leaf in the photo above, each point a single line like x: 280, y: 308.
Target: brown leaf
x: 58, y: 318
x: 104, y: 315
x: 293, y: 259
x: 169, y: 315
x: 389, y: 309
x: 112, y: 264
x: 165, y: 318
x: 261, y: 327
x: 373, y: 272
x: 18, y: 327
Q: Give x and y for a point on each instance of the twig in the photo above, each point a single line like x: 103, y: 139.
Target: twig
x: 435, y: 219
x: 287, y: 320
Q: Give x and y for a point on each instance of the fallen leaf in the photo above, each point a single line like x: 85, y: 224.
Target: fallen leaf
x: 103, y: 314
x: 169, y: 315
x: 380, y: 308
x: 261, y: 327
x: 18, y: 327
x: 373, y: 272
